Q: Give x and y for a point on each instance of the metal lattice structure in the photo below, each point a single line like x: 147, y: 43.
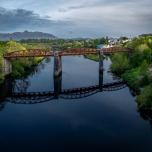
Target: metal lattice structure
x: 67, y: 52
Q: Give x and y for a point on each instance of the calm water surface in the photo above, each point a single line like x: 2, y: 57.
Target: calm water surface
x: 106, y: 121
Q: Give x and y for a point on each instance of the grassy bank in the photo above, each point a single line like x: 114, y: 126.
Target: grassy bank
x: 92, y: 57
x: 20, y: 67
x: 136, y: 69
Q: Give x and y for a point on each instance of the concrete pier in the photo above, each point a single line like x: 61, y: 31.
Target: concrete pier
x: 57, y: 65
x: 6, y: 67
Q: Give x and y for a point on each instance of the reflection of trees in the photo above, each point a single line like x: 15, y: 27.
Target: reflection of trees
x: 146, y: 115
x: 1, y: 70
x: 21, y: 85
x: 2, y: 105
x: 40, y: 67
x: 47, y: 60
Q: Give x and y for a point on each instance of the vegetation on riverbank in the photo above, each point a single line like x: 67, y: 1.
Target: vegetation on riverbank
x: 63, y: 43
x: 136, y: 69
x: 92, y: 57
x: 20, y: 66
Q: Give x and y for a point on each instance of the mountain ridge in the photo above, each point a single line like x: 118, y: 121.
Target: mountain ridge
x: 26, y: 35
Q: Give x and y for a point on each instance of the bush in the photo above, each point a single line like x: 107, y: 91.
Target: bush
x: 136, y: 59
x: 132, y: 78
x: 120, y: 64
x: 22, y: 66
x: 137, y: 77
x: 144, y: 100
x: 12, y: 46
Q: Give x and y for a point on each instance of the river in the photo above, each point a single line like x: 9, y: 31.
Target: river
x: 104, y: 121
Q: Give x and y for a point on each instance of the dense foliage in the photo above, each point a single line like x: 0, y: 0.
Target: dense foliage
x: 63, y: 43
x: 136, y: 69
x: 145, y: 98
x: 20, y: 67
x: 120, y: 63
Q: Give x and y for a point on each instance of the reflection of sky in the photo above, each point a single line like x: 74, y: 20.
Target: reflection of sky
x: 76, y: 72
x: 70, y: 18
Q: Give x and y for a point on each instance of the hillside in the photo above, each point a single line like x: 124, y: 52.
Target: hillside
x: 25, y: 35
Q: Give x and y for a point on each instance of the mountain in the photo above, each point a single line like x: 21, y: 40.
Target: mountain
x: 25, y: 35
x: 148, y: 34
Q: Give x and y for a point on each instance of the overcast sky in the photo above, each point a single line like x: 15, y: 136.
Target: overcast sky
x: 77, y: 18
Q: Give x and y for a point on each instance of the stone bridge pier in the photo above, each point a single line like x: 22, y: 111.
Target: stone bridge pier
x: 6, y: 67
x: 57, y: 64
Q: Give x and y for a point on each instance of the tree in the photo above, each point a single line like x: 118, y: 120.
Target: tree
x: 120, y: 63
x: 13, y: 46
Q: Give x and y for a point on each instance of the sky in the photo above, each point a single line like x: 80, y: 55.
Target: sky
x: 77, y: 18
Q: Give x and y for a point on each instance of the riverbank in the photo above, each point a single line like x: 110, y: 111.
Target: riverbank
x: 135, y: 69
x: 20, y: 67
x: 92, y: 57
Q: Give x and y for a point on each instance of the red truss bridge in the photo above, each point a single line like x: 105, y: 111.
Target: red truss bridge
x: 67, y: 52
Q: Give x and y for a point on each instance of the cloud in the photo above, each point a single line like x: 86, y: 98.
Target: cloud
x: 70, y: 18
x: 12, y: 20
x: 113, y: 18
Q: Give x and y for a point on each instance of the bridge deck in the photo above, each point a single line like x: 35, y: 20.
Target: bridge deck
x: 68, y: 52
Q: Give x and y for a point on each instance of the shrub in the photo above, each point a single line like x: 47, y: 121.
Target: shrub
x: 120, y: 63
x: 144, y: 100
x: 137, y: 77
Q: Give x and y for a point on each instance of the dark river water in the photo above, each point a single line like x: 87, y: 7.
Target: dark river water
x: 105, y: 121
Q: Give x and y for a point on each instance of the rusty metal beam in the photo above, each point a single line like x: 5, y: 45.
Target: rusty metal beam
x: 68, y: 52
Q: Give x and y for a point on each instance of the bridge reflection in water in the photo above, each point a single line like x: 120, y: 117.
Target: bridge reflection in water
x: 24, y: 97
x: 21, y: 96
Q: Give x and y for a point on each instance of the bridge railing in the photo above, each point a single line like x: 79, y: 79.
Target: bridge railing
x: 28, y: 53
x: 72, y: 51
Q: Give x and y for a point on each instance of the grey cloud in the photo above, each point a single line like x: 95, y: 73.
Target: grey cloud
x: 93, y: 4
x: 62, y: 10
x: 88, y: 18
x: 11, y: 20
x: 77, y: 7
x: 145, y: 19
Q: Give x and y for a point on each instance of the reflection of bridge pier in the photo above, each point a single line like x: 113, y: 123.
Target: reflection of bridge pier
x: 100, y: 78
x: 100, y: 70
x: 57, y: 85
x: 6, y: 88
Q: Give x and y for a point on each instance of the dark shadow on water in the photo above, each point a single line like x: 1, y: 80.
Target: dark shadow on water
x: 146, y: 115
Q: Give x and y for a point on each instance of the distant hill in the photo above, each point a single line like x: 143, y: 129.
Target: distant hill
x: 25, y: 35
x: 149, y: 34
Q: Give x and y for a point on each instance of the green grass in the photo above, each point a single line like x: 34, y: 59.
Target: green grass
x: 92, y: 57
